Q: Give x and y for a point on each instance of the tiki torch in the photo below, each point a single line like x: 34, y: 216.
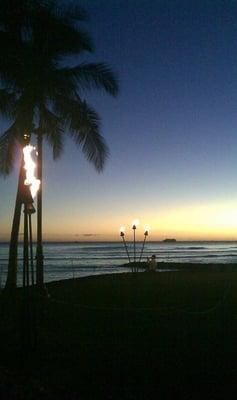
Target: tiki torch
x: 134, y: 227
x: 29, y: 189
x: 146, y: 228
x: 122, y: 234
x: 31, y: 186
x: 28, y: 210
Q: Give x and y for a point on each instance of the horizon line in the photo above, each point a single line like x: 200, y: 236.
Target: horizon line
x: 128, y: 241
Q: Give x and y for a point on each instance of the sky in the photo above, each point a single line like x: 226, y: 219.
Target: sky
x: 172, y: 130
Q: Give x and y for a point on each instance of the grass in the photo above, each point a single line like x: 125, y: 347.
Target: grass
x: 125, y: 336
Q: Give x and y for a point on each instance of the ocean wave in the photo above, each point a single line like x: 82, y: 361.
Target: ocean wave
x: 188, y: 248
x: 220, y: 255
x: 196, y: 248
x: 196, y: 256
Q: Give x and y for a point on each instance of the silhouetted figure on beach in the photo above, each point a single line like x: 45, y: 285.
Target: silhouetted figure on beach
x: 151, y: 263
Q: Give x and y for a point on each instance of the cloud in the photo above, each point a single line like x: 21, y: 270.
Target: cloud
x: 87, y: 234
x: 90, y: 234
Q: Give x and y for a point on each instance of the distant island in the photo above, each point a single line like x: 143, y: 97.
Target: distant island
x: 169, y: 240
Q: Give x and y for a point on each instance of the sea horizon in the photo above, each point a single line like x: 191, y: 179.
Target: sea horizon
x: 129, y: 241
x: 72, y: 259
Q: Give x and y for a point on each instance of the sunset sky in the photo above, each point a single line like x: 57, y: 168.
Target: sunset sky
x: 172, y: 131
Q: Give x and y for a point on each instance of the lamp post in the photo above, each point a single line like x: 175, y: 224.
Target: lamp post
x: 122, y: 234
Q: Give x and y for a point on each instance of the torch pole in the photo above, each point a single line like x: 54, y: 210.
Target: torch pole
x: 125, y: 245
x: 144, y: 241
x: 25, y: 298
x: 26, y: 250
x: 31, y: 251
x: 134, y: 243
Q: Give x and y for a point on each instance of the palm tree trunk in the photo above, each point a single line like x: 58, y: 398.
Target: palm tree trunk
x: 39, y: 248
x: 11, y: 282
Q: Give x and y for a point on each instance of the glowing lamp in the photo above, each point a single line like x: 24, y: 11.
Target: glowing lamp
x: 135, y: 223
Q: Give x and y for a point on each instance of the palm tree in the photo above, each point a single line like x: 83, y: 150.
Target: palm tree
x: 45, y: 98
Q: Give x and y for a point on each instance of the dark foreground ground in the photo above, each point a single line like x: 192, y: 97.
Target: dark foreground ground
x: 127, y: 336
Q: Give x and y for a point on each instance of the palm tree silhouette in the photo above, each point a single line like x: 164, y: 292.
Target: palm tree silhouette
x: 44, y: 97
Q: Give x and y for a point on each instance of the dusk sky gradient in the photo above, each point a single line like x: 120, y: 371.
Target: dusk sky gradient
x: 172, y: 130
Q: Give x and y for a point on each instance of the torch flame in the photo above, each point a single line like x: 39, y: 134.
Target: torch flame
x: 30, y: 166
x: 147, y: 228
x: 135, y: 222
x: 122, y: 229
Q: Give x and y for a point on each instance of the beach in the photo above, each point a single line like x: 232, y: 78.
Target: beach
x: 125, y: 336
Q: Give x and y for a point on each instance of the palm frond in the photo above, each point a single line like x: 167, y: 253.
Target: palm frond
x: 8, y: 150
x: 95, y: 75
x: 83, y: 125
x: 7, y: 103
x: 13, y: 60
x: 72, y: 11
x: 9, y: 51
x: 13, y: 137
x: 58, y: 83
x: 24, y: 115
x: 51, y: 126
x: 65, y: 36
x: 32, y: 70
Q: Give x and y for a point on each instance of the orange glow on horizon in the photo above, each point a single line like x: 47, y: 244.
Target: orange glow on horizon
x: 196, y: 222
x: 212, y: 221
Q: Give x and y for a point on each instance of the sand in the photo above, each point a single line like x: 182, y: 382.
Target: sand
x: 125, y: 336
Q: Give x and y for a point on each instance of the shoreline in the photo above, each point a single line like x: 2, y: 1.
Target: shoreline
x: 183, y: 265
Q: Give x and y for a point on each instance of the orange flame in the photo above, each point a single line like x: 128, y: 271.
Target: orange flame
x: 135, y: 222
x: 147, y: 228
x: 30, y: 167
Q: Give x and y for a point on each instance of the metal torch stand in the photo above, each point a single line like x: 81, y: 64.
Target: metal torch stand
x: 28, y: 315
x: 143, y: 245
x: 134, y: 268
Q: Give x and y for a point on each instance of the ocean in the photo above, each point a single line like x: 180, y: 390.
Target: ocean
x: 66, y: 260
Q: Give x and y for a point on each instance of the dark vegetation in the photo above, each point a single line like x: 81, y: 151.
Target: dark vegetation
x: 44, y: 82
x: 125, y: 336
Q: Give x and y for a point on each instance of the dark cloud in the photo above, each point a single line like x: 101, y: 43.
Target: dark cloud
x: 86, y: 234
x: 90, y: 234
